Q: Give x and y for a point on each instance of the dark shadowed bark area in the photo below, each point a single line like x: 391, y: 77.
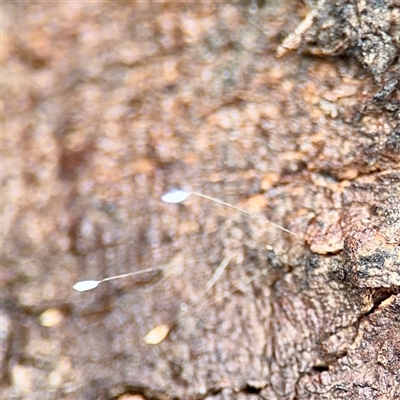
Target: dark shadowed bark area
x: 288, y: 110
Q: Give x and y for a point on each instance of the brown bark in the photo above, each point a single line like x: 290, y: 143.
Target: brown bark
x: 109, y: 105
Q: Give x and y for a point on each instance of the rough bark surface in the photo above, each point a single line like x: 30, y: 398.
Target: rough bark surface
x: 109, y: 105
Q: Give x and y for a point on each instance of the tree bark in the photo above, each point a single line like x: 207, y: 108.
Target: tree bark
x: 289, y: 111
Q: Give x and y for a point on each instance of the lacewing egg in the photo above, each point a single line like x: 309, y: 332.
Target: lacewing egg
x: 175, y: 196
x: 82, y: 286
